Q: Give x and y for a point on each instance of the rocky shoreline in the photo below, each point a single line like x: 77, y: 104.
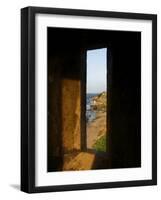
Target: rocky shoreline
x: 99, y: 102
x: 96, y: 128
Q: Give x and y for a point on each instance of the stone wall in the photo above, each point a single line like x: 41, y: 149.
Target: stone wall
x: 64, y: 107
x: 70, y: 114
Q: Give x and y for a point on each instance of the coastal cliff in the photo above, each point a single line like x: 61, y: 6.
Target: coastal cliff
x: 96, y: 128
x: 99, y: 102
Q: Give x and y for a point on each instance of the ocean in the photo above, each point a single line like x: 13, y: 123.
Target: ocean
x: 90, y: 113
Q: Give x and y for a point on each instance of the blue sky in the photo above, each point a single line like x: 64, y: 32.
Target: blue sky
x: 96, y: 70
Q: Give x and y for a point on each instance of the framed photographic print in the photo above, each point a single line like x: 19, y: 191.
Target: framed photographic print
x: 88, y: 99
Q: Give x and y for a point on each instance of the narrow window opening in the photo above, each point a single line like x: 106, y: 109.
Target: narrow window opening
x: 96, y: 100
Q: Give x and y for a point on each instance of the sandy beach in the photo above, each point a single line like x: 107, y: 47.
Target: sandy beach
x: 96, y: 129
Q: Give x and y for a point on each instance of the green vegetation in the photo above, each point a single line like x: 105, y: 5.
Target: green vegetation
x: 100, y: 144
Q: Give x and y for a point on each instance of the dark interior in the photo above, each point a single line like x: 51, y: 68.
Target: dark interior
x: 66, y: 91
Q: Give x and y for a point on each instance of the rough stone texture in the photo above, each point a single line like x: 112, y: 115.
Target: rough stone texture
x: 64, y: 107
x: 84, y: 161
x: 70, y: 114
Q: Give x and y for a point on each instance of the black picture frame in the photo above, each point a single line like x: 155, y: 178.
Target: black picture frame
x: 28, y: 98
